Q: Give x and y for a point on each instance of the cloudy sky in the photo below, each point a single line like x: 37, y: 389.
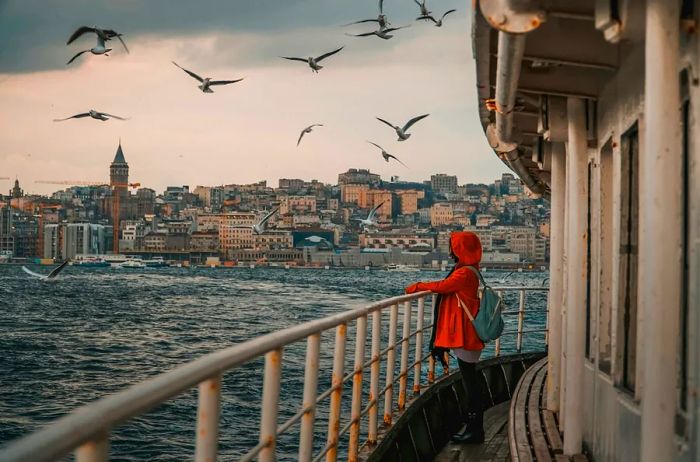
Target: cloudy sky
x: 244, y: 132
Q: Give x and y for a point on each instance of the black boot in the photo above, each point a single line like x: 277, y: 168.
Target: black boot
x: 474, y: 432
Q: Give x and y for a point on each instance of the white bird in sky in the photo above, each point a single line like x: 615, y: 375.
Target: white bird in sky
x: 424, y: 12
x: 259, y: 227
x: 104, y: 34
x: 401, y: 131
x: 386, y: 155
x: 308, y: 129
x: 206, y: 82
x: 438, y: 22
x: 103, y: 116
x: 99, y: 49
x: 371, y: 217
x: 313, y: 62
x: 381, y: 19
x: 382, y: 33
x: 52, y: 275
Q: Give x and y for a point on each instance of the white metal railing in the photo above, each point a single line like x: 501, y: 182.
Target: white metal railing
x: 87, y: 430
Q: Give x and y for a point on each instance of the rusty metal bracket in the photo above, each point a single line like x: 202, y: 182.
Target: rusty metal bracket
x: 513, y: 16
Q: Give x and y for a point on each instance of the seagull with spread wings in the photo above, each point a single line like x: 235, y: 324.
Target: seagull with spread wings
x: 206, y: 83
x: 438, y: 22
x: 104, y: 34
x: 424, y: 12
x: 308, y: 129
x: 401, y: 131
x: 371, y: 219
x: 313, y: 62
x: 259, y: 227
x: 382, y: 33
x: 103, y: 116
x: 386, y: 155
x: 381, y: 19
x: 51, y: 276
x: 99, y: 49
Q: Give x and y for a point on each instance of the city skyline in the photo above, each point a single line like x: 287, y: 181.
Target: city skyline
x: 246, y: 132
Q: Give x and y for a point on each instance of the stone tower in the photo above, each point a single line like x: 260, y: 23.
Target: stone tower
x: 119, y: 171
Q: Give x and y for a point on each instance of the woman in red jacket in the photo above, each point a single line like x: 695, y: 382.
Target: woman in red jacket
x: 452, y: 329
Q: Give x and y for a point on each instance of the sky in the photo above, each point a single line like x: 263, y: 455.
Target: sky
x: 245, y: 132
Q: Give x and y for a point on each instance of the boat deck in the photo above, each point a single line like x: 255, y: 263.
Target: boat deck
x: 494, y: 448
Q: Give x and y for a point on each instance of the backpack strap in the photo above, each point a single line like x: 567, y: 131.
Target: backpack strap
x: 478, y: 275
x: 464, y: 307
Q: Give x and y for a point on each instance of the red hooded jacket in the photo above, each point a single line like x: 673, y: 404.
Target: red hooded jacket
x: 453, y: 328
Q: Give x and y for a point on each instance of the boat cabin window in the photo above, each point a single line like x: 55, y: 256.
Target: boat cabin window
x: 605, y: 258
x: 629, y: 241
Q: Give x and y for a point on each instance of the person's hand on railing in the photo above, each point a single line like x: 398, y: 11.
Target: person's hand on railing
x: 413, y: 288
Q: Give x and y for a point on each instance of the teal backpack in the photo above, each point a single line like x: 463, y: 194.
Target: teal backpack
x: 488, y: 322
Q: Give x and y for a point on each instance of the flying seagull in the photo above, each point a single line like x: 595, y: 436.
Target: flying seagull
x: 381, y: 19
x: 370, y: 220
x: 208, y: 82
x: 104, y: 34
x: 386, y: 155
x: 401, y: 131
x: 313, y: 62
x: 52, y: 275
x: 382, y: 33
x: 438, y: 22
x: 103, y: 116
x: 424, y: 12
x: 99, y: 49
x: 308, y: 129
x: 259, y: 227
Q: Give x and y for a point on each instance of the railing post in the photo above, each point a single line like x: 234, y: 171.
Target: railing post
x: 209, y: 407
x: 374, y: 377
x: 521, y: 320
x: 306, y: 434
x: 390, y: 362
x: 405, y: 344
x: 337, y: 394
x: 356, y: 407
x: 270, y: 405
x: 93, y: 451
x: 419, y: 346
x: 431, y: 370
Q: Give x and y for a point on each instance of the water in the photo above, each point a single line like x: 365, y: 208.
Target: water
x: 98, y: 330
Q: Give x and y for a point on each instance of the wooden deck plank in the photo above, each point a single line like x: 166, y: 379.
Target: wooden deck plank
x: 579, y: 458
x: 561, y: 458
x: 552, y: 431
x: 517, y: 427
x: 534, y: 421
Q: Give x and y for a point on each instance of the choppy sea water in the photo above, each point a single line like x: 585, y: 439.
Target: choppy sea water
x: 96, y: 331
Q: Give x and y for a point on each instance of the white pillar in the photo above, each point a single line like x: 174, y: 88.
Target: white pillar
x: 564, y: 302
x: 576, y: 211
x: 556, y: 279
x: 659, y: 274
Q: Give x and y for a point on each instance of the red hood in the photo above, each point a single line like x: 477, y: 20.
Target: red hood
x: 467, y: 248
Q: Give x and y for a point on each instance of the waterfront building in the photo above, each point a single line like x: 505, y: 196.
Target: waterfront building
x: 66, y: 240
x: 235, y: 230
x: 443, y: 184
x: 408, y: 201
x: 441, y: 214
x: 298, y: 205
x: 397, y: 239
x: 272, y: 239
x: 352, y: 193
x: 359, y: 176
x: 204, y: 241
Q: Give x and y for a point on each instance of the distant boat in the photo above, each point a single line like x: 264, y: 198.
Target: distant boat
x: 90, y: 262
x: 155, y: 262
x: 131, y: 263
x: 401, y: 268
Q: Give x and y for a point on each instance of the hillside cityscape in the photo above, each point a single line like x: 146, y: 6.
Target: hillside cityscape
x: 317, y: 224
